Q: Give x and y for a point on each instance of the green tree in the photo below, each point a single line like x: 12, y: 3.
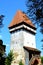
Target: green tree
x: 20, y: 63
x: 35, y: 12
x: 9, y: 58
x: 42, y: 59
x: 1, y: 20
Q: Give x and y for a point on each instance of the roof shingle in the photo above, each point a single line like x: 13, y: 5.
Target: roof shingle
x: 20, y: 17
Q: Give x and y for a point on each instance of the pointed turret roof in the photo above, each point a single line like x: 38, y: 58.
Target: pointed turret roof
x: 20, y: 17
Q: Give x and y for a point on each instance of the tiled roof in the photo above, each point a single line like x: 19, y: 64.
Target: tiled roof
x: 20, y: 17
x: 31, y: 49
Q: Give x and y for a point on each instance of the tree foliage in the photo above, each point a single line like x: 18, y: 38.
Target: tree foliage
x: 42, y: 59
x: 1, y: 20
x: 20, y: 63
x: 9, y: 58
x: 35, y: 12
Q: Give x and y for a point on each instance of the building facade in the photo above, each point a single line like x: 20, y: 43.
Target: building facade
x: 23, y: 40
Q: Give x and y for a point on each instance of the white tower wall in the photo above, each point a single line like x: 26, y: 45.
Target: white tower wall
x: 17, y: 41
x: 22, y: 38
x: 29, y: 39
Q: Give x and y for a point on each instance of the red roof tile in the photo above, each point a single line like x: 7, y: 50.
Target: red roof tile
x: 20, y: 17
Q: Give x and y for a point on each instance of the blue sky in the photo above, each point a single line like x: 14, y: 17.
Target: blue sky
x: 8, y: 8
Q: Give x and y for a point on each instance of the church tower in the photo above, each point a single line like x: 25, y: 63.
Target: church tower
x: 22, y: 38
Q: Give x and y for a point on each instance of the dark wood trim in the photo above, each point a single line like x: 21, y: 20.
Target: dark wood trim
x: 33, y: 51
x: 22, y: 24
x: 24, y: 29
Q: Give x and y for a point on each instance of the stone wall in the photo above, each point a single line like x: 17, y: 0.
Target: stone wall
x: 17, y: 47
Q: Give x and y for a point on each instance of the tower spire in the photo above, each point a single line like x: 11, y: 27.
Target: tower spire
x: 20, y: 17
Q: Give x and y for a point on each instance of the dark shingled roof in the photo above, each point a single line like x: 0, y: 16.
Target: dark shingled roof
x: 31, y: 49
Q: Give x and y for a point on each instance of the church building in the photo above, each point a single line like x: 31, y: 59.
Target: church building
x: 23, y: 41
